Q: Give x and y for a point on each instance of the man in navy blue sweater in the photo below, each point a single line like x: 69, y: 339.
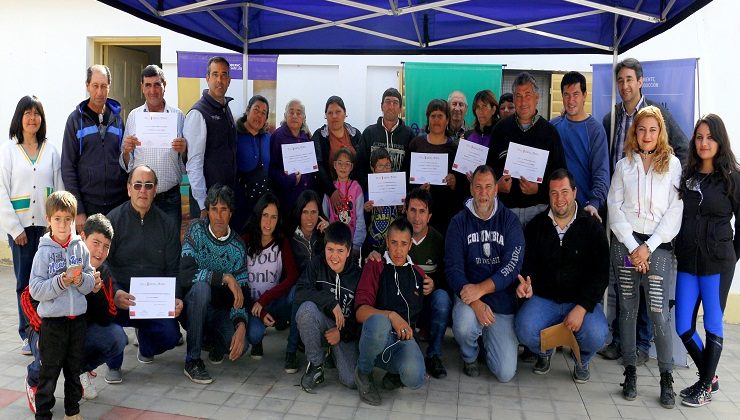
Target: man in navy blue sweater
x: 484, y: 251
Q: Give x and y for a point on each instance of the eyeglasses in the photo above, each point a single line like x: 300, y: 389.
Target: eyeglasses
x: 383, y: 165
x: 343, y: 164
x: 147, y: 185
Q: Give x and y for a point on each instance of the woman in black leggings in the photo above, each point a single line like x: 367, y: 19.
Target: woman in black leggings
x: 705, y: 249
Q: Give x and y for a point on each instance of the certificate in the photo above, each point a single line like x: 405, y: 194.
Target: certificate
x: 428, y: 167
x: 469, y: 156
x: 156, y: 130
x: 155, y: 297
x: 525, y: 161
x: 299, y: 157
x: 387, y: 189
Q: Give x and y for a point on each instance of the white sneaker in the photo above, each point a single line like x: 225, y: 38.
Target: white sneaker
x: 88, y: 387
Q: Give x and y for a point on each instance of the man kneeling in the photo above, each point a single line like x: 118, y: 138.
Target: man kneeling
x: 388, y: 301
x: 566, y: 263
x: 325, y: 295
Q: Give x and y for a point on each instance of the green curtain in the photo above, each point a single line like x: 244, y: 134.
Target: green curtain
x: 426, y: 81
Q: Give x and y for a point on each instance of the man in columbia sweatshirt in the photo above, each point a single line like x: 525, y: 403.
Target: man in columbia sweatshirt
x: 484, y: 250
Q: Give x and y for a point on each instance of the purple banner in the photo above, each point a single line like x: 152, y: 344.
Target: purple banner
x: 193, y: 64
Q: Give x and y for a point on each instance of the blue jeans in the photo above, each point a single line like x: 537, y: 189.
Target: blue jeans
x: 539, y: 313
x: 155, y: 336
x: 170, y: 202
x: 380, y: 346
x: 204, y: 319
x: 282, y: 310
x: 499, y: 340
x: 435, y: 314
x: 34, y: 368
x: 22, y: 261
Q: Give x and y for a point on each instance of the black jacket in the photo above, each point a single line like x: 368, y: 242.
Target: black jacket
x: 576, y: 271
x: 321, y: 285
x: 396, y: 142
x: 359, y: 171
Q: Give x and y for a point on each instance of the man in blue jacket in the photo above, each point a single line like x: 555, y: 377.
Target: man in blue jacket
x: 484, y: 250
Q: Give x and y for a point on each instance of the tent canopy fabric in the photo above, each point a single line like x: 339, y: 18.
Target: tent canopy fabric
x: 416, y: 26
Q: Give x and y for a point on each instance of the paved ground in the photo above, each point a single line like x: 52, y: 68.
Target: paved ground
x: 261, y: 390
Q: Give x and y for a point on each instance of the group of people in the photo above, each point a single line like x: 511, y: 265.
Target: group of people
x: 357, y: 285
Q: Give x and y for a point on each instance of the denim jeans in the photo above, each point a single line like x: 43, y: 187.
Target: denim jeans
x: 155, y: 336
x: 22, y: 261
x: 102, y: 343
x: 380, y: 346
x: 35, y: 366
x: 282, y: 310
x: 655, y: 282
x: 205, y: 320
x: 170, y: 202
x: 499, y: 340
x: 436, y: 314
x: 539, y: 313
x: 312, y: 324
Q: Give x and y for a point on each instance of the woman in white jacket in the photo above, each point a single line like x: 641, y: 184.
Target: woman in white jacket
x: 645, y: 215
x: 30, y: 171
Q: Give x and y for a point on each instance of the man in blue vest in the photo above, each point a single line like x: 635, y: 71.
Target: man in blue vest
x: 210, y: 132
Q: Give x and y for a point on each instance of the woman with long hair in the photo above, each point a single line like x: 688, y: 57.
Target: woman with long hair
x: 485, y: 109
x: 30, y: 170
x: 272, y: 278
x: 308, y: 229
x: 645, y: 215
x: 705, y: 250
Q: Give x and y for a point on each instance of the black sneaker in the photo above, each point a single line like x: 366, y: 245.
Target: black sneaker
x: 216, y: 356
x: 528, y: 356
x: 366, y: 388
x: 257, y: 351
x: 629, y: 387
x: 690, y: 389
x: 581, y: 374
x: 291, y: 362
x: 196, y: 371
x: 392, y: 381
x: 701, y: 395
x: 329, y: 361
x: 610, y: 352
x: 471, y: 369
x: 313, y: 376
x: 667, y: 396
x: 435, y: 367
x: 542, y: 366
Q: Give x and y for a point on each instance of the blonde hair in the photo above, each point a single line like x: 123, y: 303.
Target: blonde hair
x: 663, y: 149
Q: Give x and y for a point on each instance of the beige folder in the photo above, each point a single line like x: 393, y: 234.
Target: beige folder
x: 559, y: 335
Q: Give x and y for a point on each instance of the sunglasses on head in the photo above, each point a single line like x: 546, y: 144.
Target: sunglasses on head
x: 147, y: 185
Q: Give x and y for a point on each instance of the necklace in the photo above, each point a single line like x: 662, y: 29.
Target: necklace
x: 643, y: 152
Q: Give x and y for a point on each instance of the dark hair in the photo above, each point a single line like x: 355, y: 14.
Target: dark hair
x: 257, y: 98
x: 102, y: 68
x: 340, y: 152
x: 338, y: 233
x: 97, y: 223
x: 254, y: 230
x: 394, y: 93
x: 217, y: 59
x: 420, y: 194
x: 401, y: 225
x: 571, y: 78
x: 438, y: 105
x: 483, y: 169
x: 724, y: 161
x: 131, y: 174
x: 152, y: 70
x: 522, y: 79
x: 335, y: 100
x: 562, y: 173
x: 485, y: 96
x: 506, y: 97
x: 377, y: 154
x: 222, y: 193
x: 302, y: 201
x: 16, y: 124
x: 629, y: 63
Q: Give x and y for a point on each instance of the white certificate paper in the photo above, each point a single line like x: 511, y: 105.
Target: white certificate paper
x: 387, y: 189
x: 156, y: 130
x: 428, y: 167
x: 469, y: 156
x: 525, y: 161
x: 299, y: 157
x: 155, y: 297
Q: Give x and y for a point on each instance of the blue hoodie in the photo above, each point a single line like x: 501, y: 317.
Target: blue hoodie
x: 477, y: 249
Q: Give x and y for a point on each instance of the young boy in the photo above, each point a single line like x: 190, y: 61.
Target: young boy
x: 378, y: 218
x: 61, y: 276
x: 325, y: 296
x: 103, y: 338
